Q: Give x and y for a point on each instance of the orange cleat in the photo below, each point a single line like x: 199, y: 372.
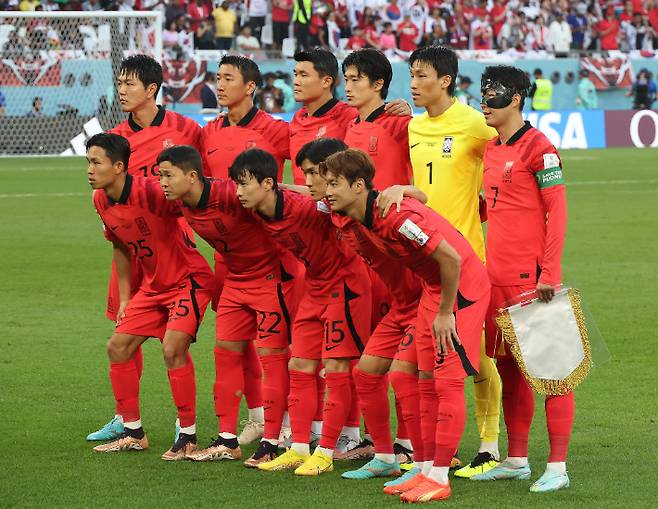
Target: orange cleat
x: 426, y: 491
x: 397, y: 489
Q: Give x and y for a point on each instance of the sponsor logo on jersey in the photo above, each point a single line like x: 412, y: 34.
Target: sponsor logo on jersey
x: 413, y: 232
x: 507, y: 172
x: 447, y: 146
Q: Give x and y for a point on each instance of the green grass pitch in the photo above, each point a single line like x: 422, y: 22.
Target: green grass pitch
x: 54, y: 387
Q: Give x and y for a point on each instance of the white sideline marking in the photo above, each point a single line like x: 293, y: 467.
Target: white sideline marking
x: 42, y: 195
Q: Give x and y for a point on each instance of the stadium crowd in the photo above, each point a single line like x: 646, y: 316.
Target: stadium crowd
x: 392, y: 25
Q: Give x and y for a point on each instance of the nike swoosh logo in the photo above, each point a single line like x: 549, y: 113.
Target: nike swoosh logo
x: 212, y: 151
x: 329, y: 348
x: 480, y: 381
x: 412, y: 146
x: 264, y: 336
x: 113, y: 228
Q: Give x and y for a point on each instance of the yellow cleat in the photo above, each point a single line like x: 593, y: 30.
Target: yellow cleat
x: 482, y: 463
x: 287, y: 461
x: 316, y: 464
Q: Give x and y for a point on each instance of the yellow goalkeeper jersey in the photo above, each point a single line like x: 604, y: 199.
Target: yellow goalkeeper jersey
x: 446, y: 155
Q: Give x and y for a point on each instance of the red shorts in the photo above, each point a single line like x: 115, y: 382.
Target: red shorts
x: 261, y: 313
x: 180, y: 309
x: 465, y: 360
x: 500, y: 295
x: 394, y: 337
x: 333, y: 329
x: 381, y: 300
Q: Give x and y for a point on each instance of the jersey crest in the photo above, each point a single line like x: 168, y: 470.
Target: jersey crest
x: 507, y: 172
x: 372, y: 144
x: 447, y: 146
x: 321, y: 132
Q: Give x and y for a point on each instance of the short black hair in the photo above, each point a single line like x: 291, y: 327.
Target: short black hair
x: 257, y: 163
x: 116, y: 147
x: 144, y: 68
x: 317, y: 151
x: 247, y: 67
x: 209, y: 76
x: 185, y: 157
x: 442, y: 59
x: 373, y: 64
x: 324, y: 62
x: 537, y: 71
x: 511, y: 77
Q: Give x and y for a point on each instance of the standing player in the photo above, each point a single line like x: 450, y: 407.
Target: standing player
x: 451, y: 310
x: 149, y: 129
x: 384, y: 137
x: 527, y: 216
x: 256, y: 301
x: 244, y: 126
x: 175, y: 289
x: 446, y: 144
x: 333, y: 317
x: 322, y: 115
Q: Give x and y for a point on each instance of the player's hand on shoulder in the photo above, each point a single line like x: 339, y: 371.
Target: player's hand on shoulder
x: 389, y: 197
x: 398, y: 107
x: 545, y: 292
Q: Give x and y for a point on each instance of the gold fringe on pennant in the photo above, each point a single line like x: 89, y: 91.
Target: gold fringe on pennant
x: 541, y: 385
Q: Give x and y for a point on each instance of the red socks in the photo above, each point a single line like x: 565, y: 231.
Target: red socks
x: 125, y: 385
x: 354, y: 417
x: 518, y: 407
x: 253, y: 377
x: 450, y: 421
x: 336, y: 408
x: 275, y: 391
x: 229, y: 386
x: 302, y: 402
x: 183, y: 388
x: 407, y: 398
x: 321, y: 393
x: 428, y: 410
x: 560, y: 411
x: 373, y: 395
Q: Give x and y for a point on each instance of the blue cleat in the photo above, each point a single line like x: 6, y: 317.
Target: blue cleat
x: 404, y: 477
x: 550, y: 481
x: 504, y: 471
x: 111, y: 431
x: 374, y: 468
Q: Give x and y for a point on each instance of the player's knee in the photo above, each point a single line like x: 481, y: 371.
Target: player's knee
x: 373, y: 365
x: 303, y: 365
x: 337, y: 365
x: 117, y: 351
x: 174, y: 356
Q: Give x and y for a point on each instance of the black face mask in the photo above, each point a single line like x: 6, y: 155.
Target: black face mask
x: 503, y: 97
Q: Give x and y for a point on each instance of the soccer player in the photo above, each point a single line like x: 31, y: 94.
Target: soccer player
x: 451, y: 310
x: 257, y: 301
x: 527, y: 216
x: 175, y: 289
x: 390, y: 348
x: 384, y: 137
x: 149, y: 129
x: 446, y: 144
x: 322, y: 115
x: 243, y: 126
x: 333, y: 317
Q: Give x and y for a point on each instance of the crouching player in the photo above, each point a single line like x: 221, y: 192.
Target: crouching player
x: 451, y: 311
x: 257, y: 301
x: 176, y: 288
x: 333, y: 317
x: 527, y: 214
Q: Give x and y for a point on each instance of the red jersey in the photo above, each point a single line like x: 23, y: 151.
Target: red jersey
x: 304, y: 227
x: 408, y: 35
x: 236, y: 234
x: 523, y: 183
x: 166, y: 130
x: 402, y: 283
x: 221, y: 142
x: 147, y: 224
x: 385, y: 139
x: 412, y: 235
x: 329, y: 121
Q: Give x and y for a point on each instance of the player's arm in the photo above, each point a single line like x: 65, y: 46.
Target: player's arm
x: 444, y: 326
x: 394, y: 195
x: 121, y: 257
x: 295, y: 188
x: 398, y: 107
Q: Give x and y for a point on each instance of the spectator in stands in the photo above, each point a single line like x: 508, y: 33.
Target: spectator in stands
x: 245, y: 41
x: 257, y: 10
x: 370, y: 32
x: 318, y: 27
x: 170, y: 36
x: 592, y: 34
x: 419, y: 12
x: 197, y: 12
x: 408, y: 34
x: 341, y: 14
x: 281, y: 12
x: 644, y: 91
x: 436, y: 37
x: 357, y: 41
x: 333, y: 32
x: 121, y: 5
x: 586, y: 98
x: 92, y: 5
x: 37, y: 108
x: 282, y: 82
x: 3, y: 103
x: 459, y: 28
x: 204, y: 36
x: 481, y: 31
x: 608, y: 29
x: 538, y: 38
x: 541, y: 92
x: 434, y: 19
x: 461, y: 92
x: 269, y: 98
x: 560, y: 35
x: 392, y: 13
x: 28, y: 5
x: 513, y: 33
x: 225, y: 25
x: 301, y: 16
x: 387, y: 39
x: 652, y: 16
x: 208, y: 92
x: 498, y: 15
x: 577, y: 20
